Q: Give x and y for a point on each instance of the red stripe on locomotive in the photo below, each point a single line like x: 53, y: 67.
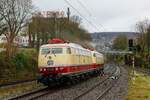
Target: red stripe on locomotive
x: 68, y: 69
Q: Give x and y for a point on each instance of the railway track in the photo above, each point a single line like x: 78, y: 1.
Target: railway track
x: 36, y: 94
x: 110, y: 79
x: 28, y: 94
x: 47, y: 91
x: 16, y: 83
x: 105, y: 91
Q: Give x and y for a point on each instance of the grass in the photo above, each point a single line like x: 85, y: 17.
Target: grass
x: 22, y: 66
x: 139, y: 87
x: 9, y: 92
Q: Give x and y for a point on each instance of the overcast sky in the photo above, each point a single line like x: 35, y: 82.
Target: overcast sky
x: 106, y: 15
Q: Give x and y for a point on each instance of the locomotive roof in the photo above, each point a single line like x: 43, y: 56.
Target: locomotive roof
x: 100, y: 54
x: 74, y: 45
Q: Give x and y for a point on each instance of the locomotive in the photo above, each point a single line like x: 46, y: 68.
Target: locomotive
x: 60, y: 61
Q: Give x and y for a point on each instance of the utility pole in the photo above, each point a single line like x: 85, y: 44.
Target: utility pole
x: 68, y: 13
x: 55, y: 24
x: 133, y: 64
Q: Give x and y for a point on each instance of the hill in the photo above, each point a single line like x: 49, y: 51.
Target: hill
x: 104, y: 40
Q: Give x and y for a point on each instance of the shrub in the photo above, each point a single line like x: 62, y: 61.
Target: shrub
x: 7, y: 67
x: 22, y: 66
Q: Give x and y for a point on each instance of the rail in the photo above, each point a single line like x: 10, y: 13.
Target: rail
x: 45, y: 91
x: 110, y: 87
x: 112, y: 76
x: 16, y: 83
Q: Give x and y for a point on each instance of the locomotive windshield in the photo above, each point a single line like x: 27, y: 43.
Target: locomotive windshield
x: 51, y: 51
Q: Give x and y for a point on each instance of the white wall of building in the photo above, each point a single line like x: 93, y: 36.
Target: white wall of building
x: 3, y: 39
x: 22, y: 41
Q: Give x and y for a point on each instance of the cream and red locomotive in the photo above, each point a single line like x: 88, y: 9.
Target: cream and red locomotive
x: 60, y: 61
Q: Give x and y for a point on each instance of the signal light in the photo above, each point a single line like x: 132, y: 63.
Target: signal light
x: 130, y: 44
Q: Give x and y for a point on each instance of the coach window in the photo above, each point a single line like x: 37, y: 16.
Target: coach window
x: 72, y: 51
x: 80, y: 51
x: 77, y: 52
x: 56, y: 50
x: 68, y: 51
x: 94, y: 55
x: 83, y: 52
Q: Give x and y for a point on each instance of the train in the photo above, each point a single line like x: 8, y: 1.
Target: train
x: 60, y: 61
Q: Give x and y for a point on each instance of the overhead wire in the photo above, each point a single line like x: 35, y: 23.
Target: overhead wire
x: 93, y: 25
x: 89, y: 13
x: 84, y: 7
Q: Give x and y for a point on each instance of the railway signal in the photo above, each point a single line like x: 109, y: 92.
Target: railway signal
x: 132, y: 47
x: 130, y: 44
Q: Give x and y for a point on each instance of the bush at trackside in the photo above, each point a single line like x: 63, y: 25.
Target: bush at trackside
x: 22, y: 66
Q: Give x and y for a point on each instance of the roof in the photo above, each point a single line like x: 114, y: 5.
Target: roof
x: 64, y: 45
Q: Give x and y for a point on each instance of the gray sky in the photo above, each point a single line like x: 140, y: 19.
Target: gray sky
x: 106, y: 15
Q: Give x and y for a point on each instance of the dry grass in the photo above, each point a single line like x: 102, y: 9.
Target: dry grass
x: 6, y: 93
x: 139, y: 88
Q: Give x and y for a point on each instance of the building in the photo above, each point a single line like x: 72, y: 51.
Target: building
x: 3, y: 39
x: 22, y: 41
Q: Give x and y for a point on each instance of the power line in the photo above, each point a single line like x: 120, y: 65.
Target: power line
x: 85, y: 8
x: 81, y: 15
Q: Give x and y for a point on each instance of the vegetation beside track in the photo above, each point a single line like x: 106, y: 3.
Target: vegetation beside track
x: 18, y: 90
x: 22, y: 66
x: 139, y: 87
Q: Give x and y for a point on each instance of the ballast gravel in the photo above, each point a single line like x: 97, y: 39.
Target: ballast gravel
x: 75, y: 90
x: 120, y: 89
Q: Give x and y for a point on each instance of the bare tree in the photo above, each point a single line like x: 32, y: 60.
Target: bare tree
x: 120, y: 42
x: 15, y: 15
x: 2, y: 25
x: 142, y: 27
x: 148, y: 39
x: 44, y: 28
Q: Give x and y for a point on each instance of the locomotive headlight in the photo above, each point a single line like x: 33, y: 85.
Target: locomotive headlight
x: 41, y: 69
x: 56, y: 69
x: 44, y: 69
x: 49, y: 62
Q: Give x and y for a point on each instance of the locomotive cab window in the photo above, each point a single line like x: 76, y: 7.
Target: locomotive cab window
x: 44, y: 51
x: 56, y: 50
x: 51, y: 51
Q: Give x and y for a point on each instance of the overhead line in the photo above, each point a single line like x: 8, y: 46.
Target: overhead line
x: 85, y: 8
x: 81, y: 15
